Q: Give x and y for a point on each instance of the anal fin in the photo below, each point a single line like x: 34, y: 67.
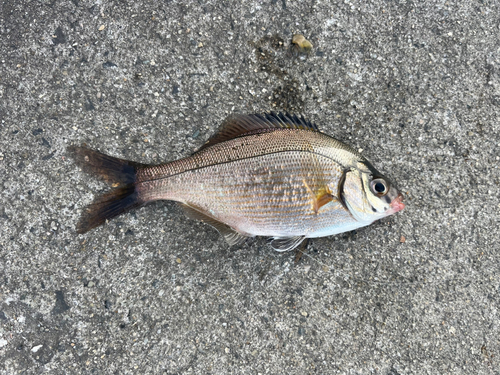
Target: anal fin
x: 231, y: 236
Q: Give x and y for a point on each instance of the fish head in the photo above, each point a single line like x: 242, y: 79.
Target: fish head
x: 369, y: 195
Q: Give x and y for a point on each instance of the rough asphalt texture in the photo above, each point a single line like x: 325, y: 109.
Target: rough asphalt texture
x: 416, y: 85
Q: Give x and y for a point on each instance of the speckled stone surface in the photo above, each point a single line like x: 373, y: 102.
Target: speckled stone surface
x: 416, y: 85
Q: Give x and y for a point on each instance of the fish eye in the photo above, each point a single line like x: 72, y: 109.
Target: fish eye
x: 379, y: 186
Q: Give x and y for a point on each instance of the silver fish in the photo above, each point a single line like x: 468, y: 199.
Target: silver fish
x: 273, y: 175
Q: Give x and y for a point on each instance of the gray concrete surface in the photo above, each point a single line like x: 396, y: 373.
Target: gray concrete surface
x: 416, y: 85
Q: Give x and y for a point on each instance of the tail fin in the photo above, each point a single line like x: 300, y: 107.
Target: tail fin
x: 115, y: 171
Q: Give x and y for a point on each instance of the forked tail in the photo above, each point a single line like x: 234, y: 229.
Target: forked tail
x: 120, y: 173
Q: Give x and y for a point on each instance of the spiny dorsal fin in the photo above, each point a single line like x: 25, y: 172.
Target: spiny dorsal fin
x: 237, y: 125
x: 231, y: 236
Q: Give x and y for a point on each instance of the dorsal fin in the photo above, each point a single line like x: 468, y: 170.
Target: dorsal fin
x: 237, y: 125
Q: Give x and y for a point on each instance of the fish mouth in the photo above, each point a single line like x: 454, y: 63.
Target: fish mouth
x: 396, y: 205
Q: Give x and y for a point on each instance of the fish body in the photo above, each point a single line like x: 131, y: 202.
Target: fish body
x: 270, y: 175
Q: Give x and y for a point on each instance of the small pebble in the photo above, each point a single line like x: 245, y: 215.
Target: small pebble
x: 36, y: 348
x: 101, y: 28
x: 178, y: 260
x: 301, y: 44
x: 402, y: 239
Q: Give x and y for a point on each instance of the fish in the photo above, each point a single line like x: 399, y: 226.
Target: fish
x: 274, y: 175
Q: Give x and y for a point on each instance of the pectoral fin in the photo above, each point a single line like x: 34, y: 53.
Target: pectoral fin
x: 321, y: 197
x: 231, y: 236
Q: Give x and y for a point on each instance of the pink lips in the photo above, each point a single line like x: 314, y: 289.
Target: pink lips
x: 396, y: 205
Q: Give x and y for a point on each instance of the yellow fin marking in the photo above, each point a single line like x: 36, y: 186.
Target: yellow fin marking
x: 322, y: 197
